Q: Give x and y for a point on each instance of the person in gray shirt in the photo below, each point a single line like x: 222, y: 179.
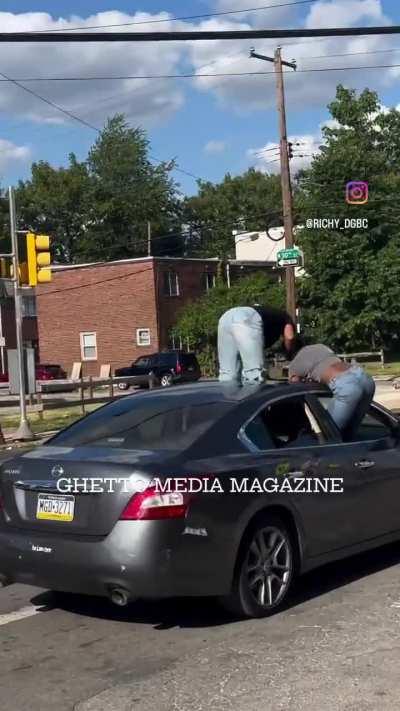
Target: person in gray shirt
x: 352, y: 388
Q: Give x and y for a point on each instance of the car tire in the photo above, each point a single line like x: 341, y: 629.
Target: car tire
x: 166, y: 380
x: 264, y: 571
x: 123, y: 386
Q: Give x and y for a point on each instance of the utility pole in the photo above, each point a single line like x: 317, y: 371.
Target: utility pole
x: 287, y: 201
x: 24, y: 431
x: 149, y: 238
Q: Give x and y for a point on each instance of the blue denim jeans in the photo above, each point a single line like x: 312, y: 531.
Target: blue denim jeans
x: 241, y: 345
x: 353, y: 392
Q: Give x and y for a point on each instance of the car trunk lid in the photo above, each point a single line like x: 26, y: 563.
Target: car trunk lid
x: 79, y: 490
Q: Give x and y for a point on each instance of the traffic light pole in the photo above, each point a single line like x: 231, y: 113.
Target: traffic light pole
x: 24, y: 431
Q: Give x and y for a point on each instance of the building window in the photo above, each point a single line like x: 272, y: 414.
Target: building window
x: 29, y: 306
x: 88, y: 346
x: 143, y: 336
x: 171, y: 284
x: 209, y: 279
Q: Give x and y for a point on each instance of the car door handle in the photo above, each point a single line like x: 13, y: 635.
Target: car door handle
x: 364, y: 464
x: 295, y: 475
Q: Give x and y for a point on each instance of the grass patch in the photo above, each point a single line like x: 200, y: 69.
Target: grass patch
x: 390, y: 369
x: 52, y: 419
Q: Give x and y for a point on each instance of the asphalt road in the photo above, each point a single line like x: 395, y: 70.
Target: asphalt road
x: 336, y: 647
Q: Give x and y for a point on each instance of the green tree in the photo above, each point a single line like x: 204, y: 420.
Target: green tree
x: 197, y: 323
x: 251, y: 201
x: 351, y: 292
x: 98, y: 209
x: 55, y: 201
x: 127, y: 191
x: 5, y: 241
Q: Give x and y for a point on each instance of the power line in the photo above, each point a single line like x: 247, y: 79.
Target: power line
x: 49, y: 102
x: 195, y: 36
x: 82, y: 121
x: 181, y: 19
x: 351, y: 54
x: 183, y: 76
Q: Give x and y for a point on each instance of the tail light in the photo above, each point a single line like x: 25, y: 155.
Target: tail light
x: 178, y: 368
x: 151, y: 505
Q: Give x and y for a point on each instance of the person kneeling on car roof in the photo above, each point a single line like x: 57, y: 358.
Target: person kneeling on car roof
x: 243, y: 334
x: 352, y: 388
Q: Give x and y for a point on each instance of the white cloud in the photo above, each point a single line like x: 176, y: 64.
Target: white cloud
x: 214, y: 146
x: 345, y: 13
x: 305, y: 147
x: 249, y: 93
x: 11, y: 153
x: 149, y: 101
x: 259, y: 15
x: 144, y: 101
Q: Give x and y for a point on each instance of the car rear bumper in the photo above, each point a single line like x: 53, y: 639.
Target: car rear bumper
x: 148, y: 559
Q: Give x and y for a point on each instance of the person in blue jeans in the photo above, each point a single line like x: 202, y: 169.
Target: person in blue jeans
x: 352, y: 388
x: 243, y: 334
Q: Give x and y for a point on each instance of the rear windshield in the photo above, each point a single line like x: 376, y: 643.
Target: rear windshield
x: 129, y: 427
x: 189, y: 359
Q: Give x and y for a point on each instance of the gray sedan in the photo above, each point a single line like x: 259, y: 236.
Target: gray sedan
x: 208, y: 489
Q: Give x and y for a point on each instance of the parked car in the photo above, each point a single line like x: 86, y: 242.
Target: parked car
x: 43, y: 372
x: 50, y: 372
x: 245, y: 547
x: 168, y: 367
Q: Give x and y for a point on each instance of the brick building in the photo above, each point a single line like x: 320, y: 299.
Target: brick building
x: 113, y: 313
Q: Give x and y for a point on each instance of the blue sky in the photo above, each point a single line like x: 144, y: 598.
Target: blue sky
x: 211, y: 125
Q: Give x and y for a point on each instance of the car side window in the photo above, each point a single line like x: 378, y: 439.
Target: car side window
x: 373, y: 426
x: 165, y: 359
x: 286, y: 423
x: 142, y: 362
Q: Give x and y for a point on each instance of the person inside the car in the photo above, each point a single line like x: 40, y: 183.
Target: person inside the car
x: 243, y: 334
x: 352, y: 388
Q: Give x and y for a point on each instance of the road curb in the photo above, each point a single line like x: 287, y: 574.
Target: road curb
x: 11, y: 442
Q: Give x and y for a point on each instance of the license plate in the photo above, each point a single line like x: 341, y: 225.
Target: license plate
x: 52, y: 507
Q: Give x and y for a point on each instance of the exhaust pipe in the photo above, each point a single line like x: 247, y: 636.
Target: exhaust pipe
x: 120, y: 597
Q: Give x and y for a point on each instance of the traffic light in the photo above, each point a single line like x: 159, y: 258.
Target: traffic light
x: 37, y: 260
x: 290, y: 150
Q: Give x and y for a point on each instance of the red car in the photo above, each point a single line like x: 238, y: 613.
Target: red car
x: 43, y: 372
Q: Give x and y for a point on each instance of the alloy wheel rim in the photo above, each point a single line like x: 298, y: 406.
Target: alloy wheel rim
x: 166, y: 380
x: 269, y: 565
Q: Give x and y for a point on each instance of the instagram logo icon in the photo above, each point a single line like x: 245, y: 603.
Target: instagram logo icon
x: 356, y: 192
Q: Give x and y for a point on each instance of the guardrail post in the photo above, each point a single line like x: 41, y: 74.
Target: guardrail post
x: 82, y: 389
x: 39, y: 400
x: 111, y: 387
x: 90, y: 387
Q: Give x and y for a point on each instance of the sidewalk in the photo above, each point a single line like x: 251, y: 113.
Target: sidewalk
x: 12, y: 443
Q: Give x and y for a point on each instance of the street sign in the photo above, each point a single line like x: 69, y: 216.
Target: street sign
x: 289, y: 257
